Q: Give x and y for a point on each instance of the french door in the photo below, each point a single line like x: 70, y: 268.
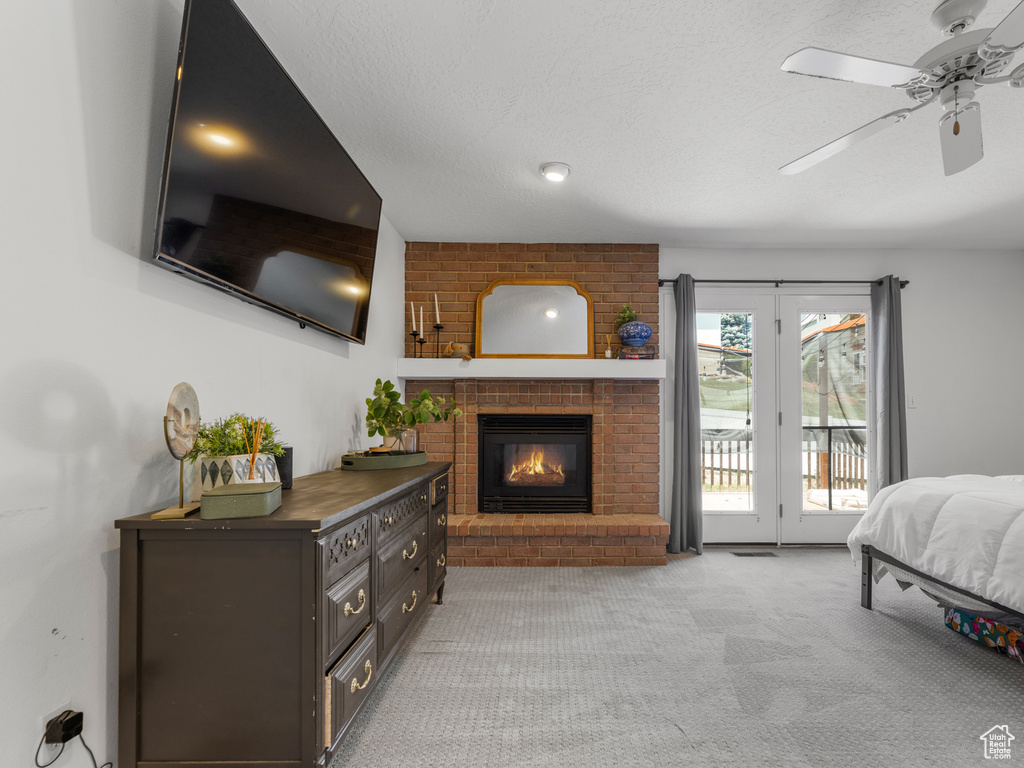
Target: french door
x: 784, y: 415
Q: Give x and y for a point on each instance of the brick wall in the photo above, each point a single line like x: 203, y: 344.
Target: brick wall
x: 626, y: 424
x: 625, y: 413
x: 613, y: 275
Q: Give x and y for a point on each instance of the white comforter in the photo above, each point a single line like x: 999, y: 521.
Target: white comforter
x: 964, y: 530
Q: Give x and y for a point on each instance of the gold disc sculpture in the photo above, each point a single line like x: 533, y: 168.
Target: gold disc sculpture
x: 181, y: 427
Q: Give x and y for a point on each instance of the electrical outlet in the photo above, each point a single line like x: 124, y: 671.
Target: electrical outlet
x: 911, y: 401
x: 50, y: 749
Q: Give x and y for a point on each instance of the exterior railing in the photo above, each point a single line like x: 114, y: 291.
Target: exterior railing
x: 835, y: 459
x: 725, y: 457
x: 841, y: 465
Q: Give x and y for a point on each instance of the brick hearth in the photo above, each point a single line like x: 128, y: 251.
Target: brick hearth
x: 625, y: 527
x: 556, y: 540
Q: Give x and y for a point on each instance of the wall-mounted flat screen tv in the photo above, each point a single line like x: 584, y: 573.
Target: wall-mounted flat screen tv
x: 258, y: 198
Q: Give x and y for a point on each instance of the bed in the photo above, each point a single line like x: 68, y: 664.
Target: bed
x: 959, y: 538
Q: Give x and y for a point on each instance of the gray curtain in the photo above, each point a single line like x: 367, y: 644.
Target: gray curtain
x: 889, y: 385
x: 685, y: 522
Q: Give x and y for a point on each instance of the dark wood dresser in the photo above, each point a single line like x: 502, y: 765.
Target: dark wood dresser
x: 257, y: 641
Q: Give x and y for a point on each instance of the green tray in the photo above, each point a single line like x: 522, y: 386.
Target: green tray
x: 382, y: 460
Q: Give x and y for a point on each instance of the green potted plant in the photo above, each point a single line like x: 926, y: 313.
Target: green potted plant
x: 236, y: 449
x: 396, y: 422
x: 632, y: 332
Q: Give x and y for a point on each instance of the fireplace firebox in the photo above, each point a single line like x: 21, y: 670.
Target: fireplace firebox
x: 534, y: 463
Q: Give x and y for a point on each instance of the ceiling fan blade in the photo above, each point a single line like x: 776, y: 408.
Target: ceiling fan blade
x: 1008, y: 36
x: 963, y: 149
x: 817, y: 62
x: 843, y: 142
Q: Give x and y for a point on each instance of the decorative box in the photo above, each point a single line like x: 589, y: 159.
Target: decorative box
x: 245, y: 500
x: 638, y: 352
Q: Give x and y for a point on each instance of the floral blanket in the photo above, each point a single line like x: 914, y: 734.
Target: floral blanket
x: 1004, y: 639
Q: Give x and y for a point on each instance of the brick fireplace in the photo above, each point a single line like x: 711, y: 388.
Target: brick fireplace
x: 624, y: 526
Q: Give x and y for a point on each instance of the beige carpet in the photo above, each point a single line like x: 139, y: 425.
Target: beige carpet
x: 715, y: 660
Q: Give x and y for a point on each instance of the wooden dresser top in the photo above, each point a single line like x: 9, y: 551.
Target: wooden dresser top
x: 315, y: 502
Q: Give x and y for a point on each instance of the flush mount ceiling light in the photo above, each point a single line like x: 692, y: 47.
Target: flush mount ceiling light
x: 555, y: 171
x: 552, y: 313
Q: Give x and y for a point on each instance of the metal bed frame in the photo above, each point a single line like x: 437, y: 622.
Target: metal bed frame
x: 869, y: 553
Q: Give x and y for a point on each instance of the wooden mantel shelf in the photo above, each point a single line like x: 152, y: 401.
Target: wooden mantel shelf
x: 529, y: 368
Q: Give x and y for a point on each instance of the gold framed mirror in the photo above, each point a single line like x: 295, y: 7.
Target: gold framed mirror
x: 534, y: 318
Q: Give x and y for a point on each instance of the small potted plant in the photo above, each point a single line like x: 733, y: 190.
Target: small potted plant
x: 236, y: 449
x: 633, y: 332
x: 396, y: 422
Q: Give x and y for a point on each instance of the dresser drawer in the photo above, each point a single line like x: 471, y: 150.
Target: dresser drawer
x: 394, y: 516
x: 439, y: 489
x: 348, y: 610
x: 345, y: 548
x: 438, y: 524
x: 399, y: 612
x: 348, y: 684
x: 436, y: 563
x: 405, y: 553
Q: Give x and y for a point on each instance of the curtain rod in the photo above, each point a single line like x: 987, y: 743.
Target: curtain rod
x: 777, y: 283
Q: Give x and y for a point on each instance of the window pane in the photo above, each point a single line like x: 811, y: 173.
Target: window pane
x: 725, y: 361
x: 834, y: 396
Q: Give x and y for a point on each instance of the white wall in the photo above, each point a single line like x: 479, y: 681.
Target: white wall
x: 962, y: 314
x: 95, y: 337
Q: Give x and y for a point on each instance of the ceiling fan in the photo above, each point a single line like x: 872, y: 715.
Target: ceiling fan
x: 950, y: 73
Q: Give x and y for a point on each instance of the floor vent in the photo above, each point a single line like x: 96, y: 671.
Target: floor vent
x: 755, y: 554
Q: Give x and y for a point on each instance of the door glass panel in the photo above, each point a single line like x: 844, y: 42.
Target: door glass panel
x: 834, y: 412
x: 726, y: 364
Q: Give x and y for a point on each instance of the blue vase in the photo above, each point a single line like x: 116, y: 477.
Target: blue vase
x: 635, y: 333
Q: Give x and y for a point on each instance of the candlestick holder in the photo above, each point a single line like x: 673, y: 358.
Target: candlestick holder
x: 437, y: 339
x: 414, y: 335
x: 421, y: 341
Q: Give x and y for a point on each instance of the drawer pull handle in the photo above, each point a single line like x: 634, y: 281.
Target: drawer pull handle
x: 408, y: 608
x: 442, y: 519
x: 355, y: 680
x: 405, y: 552
x: 388, y: 520
x: 349, y: 611
x: 440, y: 561
x: 352, y: 544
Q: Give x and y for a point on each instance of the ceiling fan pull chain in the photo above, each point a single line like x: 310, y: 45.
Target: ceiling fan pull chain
x: 956, y: 110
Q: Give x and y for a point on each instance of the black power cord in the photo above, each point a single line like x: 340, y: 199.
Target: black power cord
x: 44, y: 765
x: 108, y: 764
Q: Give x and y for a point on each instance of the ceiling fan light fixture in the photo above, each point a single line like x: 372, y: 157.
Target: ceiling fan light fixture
x: 953, y: 17
x: 555, y: 171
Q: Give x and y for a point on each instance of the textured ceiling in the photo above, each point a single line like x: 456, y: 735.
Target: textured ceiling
x: 674, y: 116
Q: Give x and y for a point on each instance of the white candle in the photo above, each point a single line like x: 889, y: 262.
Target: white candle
x: 422, y: 327
x: 437, y: 310
x: 412, y: 311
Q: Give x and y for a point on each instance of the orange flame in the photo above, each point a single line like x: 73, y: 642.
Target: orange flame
x: 535, y: 465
